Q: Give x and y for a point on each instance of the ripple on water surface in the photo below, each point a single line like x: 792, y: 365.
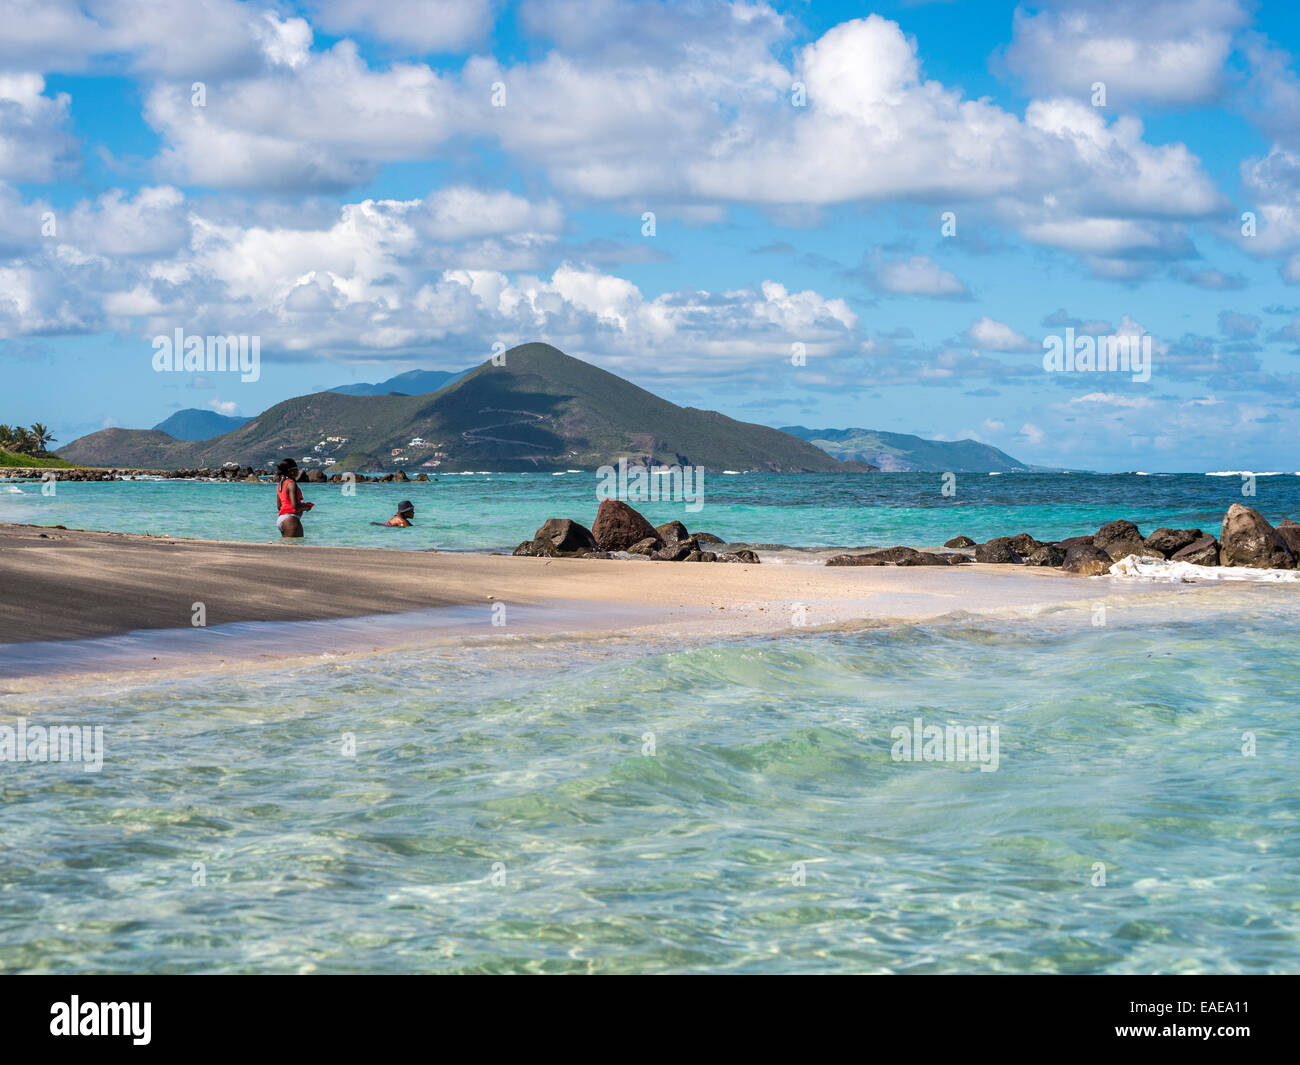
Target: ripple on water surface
x: 558, y: 806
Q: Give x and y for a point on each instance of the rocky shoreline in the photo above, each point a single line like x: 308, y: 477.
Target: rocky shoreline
x: 619, y: 531
x: 224, y: 473
x: 1245, y: 538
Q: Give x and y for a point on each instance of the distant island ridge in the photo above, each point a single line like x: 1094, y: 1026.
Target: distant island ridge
x: 542, y: 410
x: 904, y: 453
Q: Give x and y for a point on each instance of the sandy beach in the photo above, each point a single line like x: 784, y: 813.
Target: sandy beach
x: 63, y: 586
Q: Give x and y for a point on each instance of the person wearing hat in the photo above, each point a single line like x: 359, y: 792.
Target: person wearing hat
x: 402, y: 519
x: 289, y: 497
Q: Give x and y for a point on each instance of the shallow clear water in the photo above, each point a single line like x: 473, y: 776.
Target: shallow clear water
x: 1120, y: 745
x: 497, y: 511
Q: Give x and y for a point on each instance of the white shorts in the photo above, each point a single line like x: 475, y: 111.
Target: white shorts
x: 279, y: 522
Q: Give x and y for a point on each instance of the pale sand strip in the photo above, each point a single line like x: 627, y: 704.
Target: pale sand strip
x: 72, y: 585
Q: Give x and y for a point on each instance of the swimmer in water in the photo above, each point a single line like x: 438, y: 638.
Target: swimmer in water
x: 403, y: 517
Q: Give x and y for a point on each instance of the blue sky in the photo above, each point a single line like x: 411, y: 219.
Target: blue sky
x: 345, y: 180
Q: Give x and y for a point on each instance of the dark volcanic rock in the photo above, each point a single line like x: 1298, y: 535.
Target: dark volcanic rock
x: 708, y: 556
x: 1248, y: 539
x: 854, y: 560
x: 671, y: 532
x: 960, y: 541
x: 1045, y: 555
x: 709, y: 538
x: 926, y: 558
x: 1202, y: 552
x: 536, y: 549
x: 1024, y: 545
x: 744, y: 555
x: 1119, y: 539
x: 1170, y: 541
x: 998, y: 551
x: 565, y: 534
x: 617, y: 526
x: 890, y: 556
x: 1070, y: 541
x: 1087, y: 560
x: 648, y: 546
x: 674, y: 552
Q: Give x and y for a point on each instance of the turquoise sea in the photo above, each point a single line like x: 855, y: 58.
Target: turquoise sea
x: 494, y: 511
x: 556, y: 804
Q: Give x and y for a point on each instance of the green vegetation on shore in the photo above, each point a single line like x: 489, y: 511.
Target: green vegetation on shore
x: 21, y: 446
x: 12, y: 459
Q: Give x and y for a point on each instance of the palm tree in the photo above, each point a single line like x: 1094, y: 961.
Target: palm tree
x: 41, y: 436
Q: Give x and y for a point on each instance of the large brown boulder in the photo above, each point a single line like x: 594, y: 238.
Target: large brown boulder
x: 960, y: 541
x: 708, y: 538
x: 1070, y: 541
x: 998, y: 551
x: 1120, y: 539
x: 1169, y: 542
x: 671, y: 532
x: 1087, y: 560
x: 565, y: 534
x: 617, y: 526
x: 1202, y: 552
x: 1248, y: 539
x: 1290, y: 533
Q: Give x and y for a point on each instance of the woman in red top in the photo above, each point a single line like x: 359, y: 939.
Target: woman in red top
x: 289, y: 496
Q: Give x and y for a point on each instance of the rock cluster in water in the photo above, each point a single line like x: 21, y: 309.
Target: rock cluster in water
x: 1245, y: 539
x: 619, y: 531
